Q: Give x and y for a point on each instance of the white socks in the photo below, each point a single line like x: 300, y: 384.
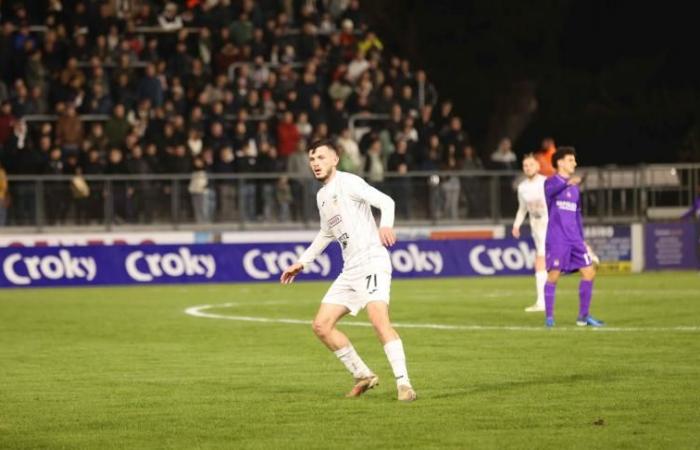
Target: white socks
x: 353, y: 362
x: 541, y: 278
x: 397, y: 359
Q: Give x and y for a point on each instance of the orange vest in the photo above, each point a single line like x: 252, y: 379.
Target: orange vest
x: 544, y: 157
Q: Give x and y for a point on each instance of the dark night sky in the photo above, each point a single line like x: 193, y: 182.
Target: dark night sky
x: 616, y: 79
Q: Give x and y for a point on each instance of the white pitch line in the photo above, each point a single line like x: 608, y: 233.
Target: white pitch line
x: 198, y: 311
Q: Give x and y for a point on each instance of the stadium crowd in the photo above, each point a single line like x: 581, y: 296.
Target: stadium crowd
x: 212, y: 87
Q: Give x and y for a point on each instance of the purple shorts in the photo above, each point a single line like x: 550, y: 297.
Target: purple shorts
x: 567, y: 257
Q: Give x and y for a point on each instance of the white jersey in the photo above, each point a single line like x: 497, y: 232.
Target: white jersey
x: 344, y: 205
x: 531, y: 200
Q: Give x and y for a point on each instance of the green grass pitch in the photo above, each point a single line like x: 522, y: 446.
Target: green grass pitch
x: 127, y: 368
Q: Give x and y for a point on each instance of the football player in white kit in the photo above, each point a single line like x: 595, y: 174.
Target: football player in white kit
x: 344, y: 204
x: 531, y: 200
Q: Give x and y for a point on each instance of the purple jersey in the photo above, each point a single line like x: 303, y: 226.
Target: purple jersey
x: 564, y: 207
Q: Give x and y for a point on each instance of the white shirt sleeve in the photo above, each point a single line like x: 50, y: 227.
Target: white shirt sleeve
x: 318, y: 245
x: 360, y: 190
x: 522, y: 210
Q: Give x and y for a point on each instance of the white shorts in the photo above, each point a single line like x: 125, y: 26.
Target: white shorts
x: 357, y: 287
x: 539, y: 235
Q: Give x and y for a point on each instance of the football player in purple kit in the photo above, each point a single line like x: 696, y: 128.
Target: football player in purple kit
x: 565, y: 249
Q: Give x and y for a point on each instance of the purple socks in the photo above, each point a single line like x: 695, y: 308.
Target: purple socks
x: 585, y: 291
x: 549, y: 290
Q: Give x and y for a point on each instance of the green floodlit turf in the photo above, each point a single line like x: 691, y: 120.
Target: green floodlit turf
x: 126, y: 368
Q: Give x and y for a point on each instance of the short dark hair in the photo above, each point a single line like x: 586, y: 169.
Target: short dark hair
x: 330, y: 143
x: 561, y: 153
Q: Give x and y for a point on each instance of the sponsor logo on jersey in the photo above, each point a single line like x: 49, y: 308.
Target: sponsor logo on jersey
x: 265, y: 265
x: 146, y: 267
x: 489, y: 261
x: 24, y: 270
x: 335, y: 220
x: 566, y: 205
x: 412, y: 259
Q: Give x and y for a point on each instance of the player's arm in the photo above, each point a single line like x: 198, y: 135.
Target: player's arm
x: 519, y: 216
x: 320, y: 242
x: 553, y: 186
x: 360, y: 190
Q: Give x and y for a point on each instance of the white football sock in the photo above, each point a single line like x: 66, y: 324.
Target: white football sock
x: 397, y: 359
x: 541, y: 278
x: 353, y: 362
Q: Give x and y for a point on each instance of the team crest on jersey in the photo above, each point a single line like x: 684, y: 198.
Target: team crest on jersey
x: 335, y: 199
x: 335, y: 220
x: 568, y: 194
x: 343, y: 239
x: 556, y: 262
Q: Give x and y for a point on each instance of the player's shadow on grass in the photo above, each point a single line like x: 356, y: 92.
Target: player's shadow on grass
x: 596, y: 377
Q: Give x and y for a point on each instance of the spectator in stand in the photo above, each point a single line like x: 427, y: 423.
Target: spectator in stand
x: 432, y: 163
x: 451, y: 189
x: 399, y: 163
x: 56, y: 192
x: 288, y: 135
x: 38, y: 103
x: 374, y: 165
x: 7, y: 121
x: 300, y: 180
x: 242, y: 30
x: 69, y: 130
x: 357, y: 67
x: 226, y: 189
x: 303, y: 126
x: 350, y: 158
x: 4, y: 196
x: 21, y: 158
x: 317, y: 111
x: 283, y: 195
x: 248, y: 163
x: 98, y: 101
x: 408, y: 101
x: 454, y: 134
x: 117, y: 127
x: 544, y: 156
x: 94, y: 204
x: 408, y: 132
x: 139, y: 192
x: 347, y: 40
x: 169, y: 20
x: 150, y: 87
x: 425, y: 90
x: 369, y: 43
x: 337, y: 118
x: 199, y: 191
x: 504, y: 158
x: 443, y: 115
x: 268, y: 163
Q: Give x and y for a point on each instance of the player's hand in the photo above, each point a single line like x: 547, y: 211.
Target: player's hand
x: 387, y: 236
x: 290, y: 273
x: 574, y: 180
x: 516, y: 232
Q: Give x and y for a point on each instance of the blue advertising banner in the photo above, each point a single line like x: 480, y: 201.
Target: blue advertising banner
x: 612, y: 244
x: 221, y: 263
x: 671, y: 246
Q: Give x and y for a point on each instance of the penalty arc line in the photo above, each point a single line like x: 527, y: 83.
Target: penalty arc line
x: 199, y: 311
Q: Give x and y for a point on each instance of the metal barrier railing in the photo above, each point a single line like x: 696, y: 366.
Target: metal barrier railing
x: 282, y: 199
